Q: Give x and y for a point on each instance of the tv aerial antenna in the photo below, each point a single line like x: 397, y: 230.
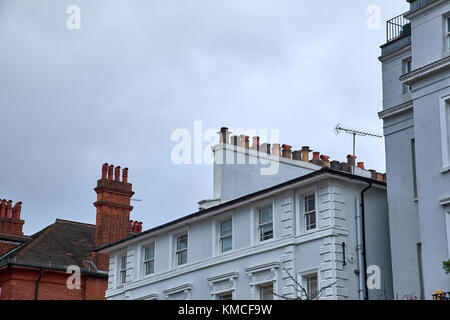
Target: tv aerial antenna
x: 341, y: 128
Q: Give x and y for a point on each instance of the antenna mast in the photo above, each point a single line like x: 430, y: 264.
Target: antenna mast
x: 340, y: 128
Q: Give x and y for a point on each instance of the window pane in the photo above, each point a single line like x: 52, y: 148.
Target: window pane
x: 123, y: 263
x: 311, y: 283
x: 267, y: 292
x: 182, y: 242
x: 448, y: 25
x: 310, y: 221
x: 182, y: 257
x: 149, y: 252
x: 227, y: 243
x: 226, y: 296
x: 265, y: 215
x: 226, y: 227
x: 149, y: 267
x: 266, y: 232
x: 310, y: 203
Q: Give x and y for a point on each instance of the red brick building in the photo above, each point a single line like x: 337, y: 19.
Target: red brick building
x: 35, y: 267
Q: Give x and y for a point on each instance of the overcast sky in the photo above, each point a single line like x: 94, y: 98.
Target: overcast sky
x: 115, y: 90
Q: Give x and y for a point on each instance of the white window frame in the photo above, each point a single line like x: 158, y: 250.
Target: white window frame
x: 405, y: 63
x: 223, y: 236
x: 254, y: 221
x: 121, y: 271
x: 144, y: 247
x: 262, y: 286
x: 302, y: 279
x: 447, y: 32
x: 444, y: 107
x: 216, y: 232
x: 261, y: 225
x: 173, y: 246
x: 300, y: 205
x: 177, y: 251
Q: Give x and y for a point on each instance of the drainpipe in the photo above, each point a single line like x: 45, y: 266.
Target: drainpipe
x: 37, y: 284
x: 359, y: 250
x: 363, y: 235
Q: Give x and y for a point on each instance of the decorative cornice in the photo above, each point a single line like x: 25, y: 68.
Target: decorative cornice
x: 182, y: 288
x: 263, y: 267
x: 223, y: 277
x: 413, y: 14
x: 426, y: 71
x: 445, y: 202
x: 395, y: 53
x: 393, y: 111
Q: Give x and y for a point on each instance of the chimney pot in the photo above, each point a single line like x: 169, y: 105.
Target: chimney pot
x: 305, y: 153
x: 16, y: 210
x: 351, y: 160
x: 3, y: 209
x: 125, y: 175
x: 255, y: 145
x: 117, y: 173
x: 246, y: 142
x: 104, y: 170
x: 286, y: 152
x: 130, y: 227
x: 110, y: 172
x: 276, y: 150
x: 9, y: 209
x: 326, y: 160
x: 336, y: 165
x: 361, y: 165
x: 140, y: 226
x: 316, y: 155
x: 379, y: 176
x: 265, y: 147
x: 224, y: 135
x: 234, y: 140
x: 297, y: 155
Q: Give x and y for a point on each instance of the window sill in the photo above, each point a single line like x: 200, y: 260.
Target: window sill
x: 445, y: 169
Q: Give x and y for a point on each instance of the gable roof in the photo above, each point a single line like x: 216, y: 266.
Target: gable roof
x: 322, y: 171
x: 56, y: 247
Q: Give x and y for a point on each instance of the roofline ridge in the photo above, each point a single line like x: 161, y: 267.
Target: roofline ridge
x: 74, y: 222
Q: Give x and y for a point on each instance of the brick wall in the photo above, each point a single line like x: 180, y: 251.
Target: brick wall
x: 6, y: 246
x: 20, y: 284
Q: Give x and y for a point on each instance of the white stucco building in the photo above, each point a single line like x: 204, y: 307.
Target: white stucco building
x: 303, y: 221
x: 416, y: 114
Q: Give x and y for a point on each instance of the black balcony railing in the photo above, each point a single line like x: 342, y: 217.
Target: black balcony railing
x: 397, y: 27
x: 441, y: 296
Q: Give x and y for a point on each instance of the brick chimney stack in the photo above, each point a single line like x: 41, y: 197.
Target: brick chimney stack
x: 10, y: 222
x: 113, y: 209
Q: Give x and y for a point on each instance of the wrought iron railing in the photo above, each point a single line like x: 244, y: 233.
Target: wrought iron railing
x: 397, y: 27
x: 441, y: 296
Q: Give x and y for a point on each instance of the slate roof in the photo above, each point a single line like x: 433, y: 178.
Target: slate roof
x: 55, y: 247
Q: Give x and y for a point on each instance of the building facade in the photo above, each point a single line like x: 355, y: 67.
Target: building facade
x: 301, y: 226
x: 416, y: 114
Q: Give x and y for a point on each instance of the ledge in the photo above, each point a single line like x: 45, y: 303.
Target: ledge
x: 426, y: 71
x: 393, y: 111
